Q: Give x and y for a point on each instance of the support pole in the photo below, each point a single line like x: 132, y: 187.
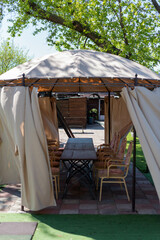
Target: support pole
x: 64, y: 124
x: 22, y: 208
x: 23, y: 80
x: 23, y: 84
x: 134, y: 160
x: 134, y: 171
x: 109, y: 117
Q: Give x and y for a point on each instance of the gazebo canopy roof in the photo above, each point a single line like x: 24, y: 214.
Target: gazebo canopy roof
x: 80, y: 71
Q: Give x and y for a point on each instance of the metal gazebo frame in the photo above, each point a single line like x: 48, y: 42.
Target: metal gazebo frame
x: 90, y: 85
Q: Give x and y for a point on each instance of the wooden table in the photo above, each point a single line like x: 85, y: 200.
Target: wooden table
x: 80, y: 154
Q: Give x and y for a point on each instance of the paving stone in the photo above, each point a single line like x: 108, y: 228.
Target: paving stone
x: 106, y: 197
x: 147, y: 211
x: 121, y: 201
x: 124, y: 206
x: 107, y: 206
x: 86, y: 201
x: 88, y: 211
x: 70, y: 201
x: 87, y: 206
x: 155, y: 203
x: 4, y: 207
x: 142, y: 201
x: 120, y: 196
x: 4, y: 194
x: 151, y: 196
x: 69, y: 206
x: 144, y: 206
x: 48, y: 211
x: 140, y: 195
x: 106, y: 202
x: 127, y: 212
x: 158, y: 211
x: 69, y: 211
x: 108, y: 211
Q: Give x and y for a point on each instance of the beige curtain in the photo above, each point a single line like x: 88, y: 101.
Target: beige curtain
x: 144, y: 108
x: 49, y: 117
x: 10, y: 132
x: 54, y: 113
x: 119, y: 117
x: 27, y: 157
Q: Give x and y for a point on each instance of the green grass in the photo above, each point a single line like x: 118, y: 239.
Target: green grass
x: 91, y: 227
x: 140, y: 159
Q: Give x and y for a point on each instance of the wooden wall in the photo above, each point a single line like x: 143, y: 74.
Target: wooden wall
x: 74, y: 110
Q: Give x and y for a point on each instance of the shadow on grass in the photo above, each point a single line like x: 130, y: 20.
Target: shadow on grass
x: 100, y: 227
x: 90, y: 227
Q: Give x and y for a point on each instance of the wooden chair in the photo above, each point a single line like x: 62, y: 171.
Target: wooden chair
x: 104, y: 157
x: 110, y: 150
x: 55, y: 169
x: 56, y: 179
x: 107, y: 147
x: 104, y: 151
x: 55, y: 153
x: 52, y: 142
x: 54, y: 158
x: 54, y: 145
x: 116, y: 172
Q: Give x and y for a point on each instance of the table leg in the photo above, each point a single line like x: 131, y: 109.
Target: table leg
x: 85, y: 168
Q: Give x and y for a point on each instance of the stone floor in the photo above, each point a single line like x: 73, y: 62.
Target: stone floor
x: 79, y: 200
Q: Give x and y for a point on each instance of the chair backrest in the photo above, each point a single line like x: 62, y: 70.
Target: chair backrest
x: 52, y: 142
x: 112, y: 143
x: 127, y: 159
x: 116, y: 143
x: 129, y: 153
x: 52, y: 156
x: 122, y: 149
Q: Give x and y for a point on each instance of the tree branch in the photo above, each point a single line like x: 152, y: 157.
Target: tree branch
x: 120, y: 19
x: 156, y: 5
x: 121, y: 23
x: 75, y: 25
x: 85, y: 42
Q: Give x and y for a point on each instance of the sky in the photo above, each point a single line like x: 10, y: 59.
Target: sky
x: 35, y: 45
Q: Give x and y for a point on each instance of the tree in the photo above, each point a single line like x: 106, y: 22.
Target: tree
x: 11, y: 56
x: 1, y: 11
x: 127, y: 28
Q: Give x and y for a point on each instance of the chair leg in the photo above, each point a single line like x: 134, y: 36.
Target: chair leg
x: 126, y: 189
x: 100, y: 191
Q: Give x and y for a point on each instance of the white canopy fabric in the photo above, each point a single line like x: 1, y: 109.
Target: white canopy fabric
x: 144, y: 108
x: 79, y: 63
x: 79, y: 71
x: 23, y: 150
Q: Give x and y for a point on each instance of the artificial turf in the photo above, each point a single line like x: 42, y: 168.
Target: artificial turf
x: 91, y: 227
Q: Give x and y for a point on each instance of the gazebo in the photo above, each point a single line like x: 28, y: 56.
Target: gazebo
x: 73, y: 72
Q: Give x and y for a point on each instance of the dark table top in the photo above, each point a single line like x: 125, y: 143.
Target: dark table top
x: 79, y: 149
x: 80, y: 140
